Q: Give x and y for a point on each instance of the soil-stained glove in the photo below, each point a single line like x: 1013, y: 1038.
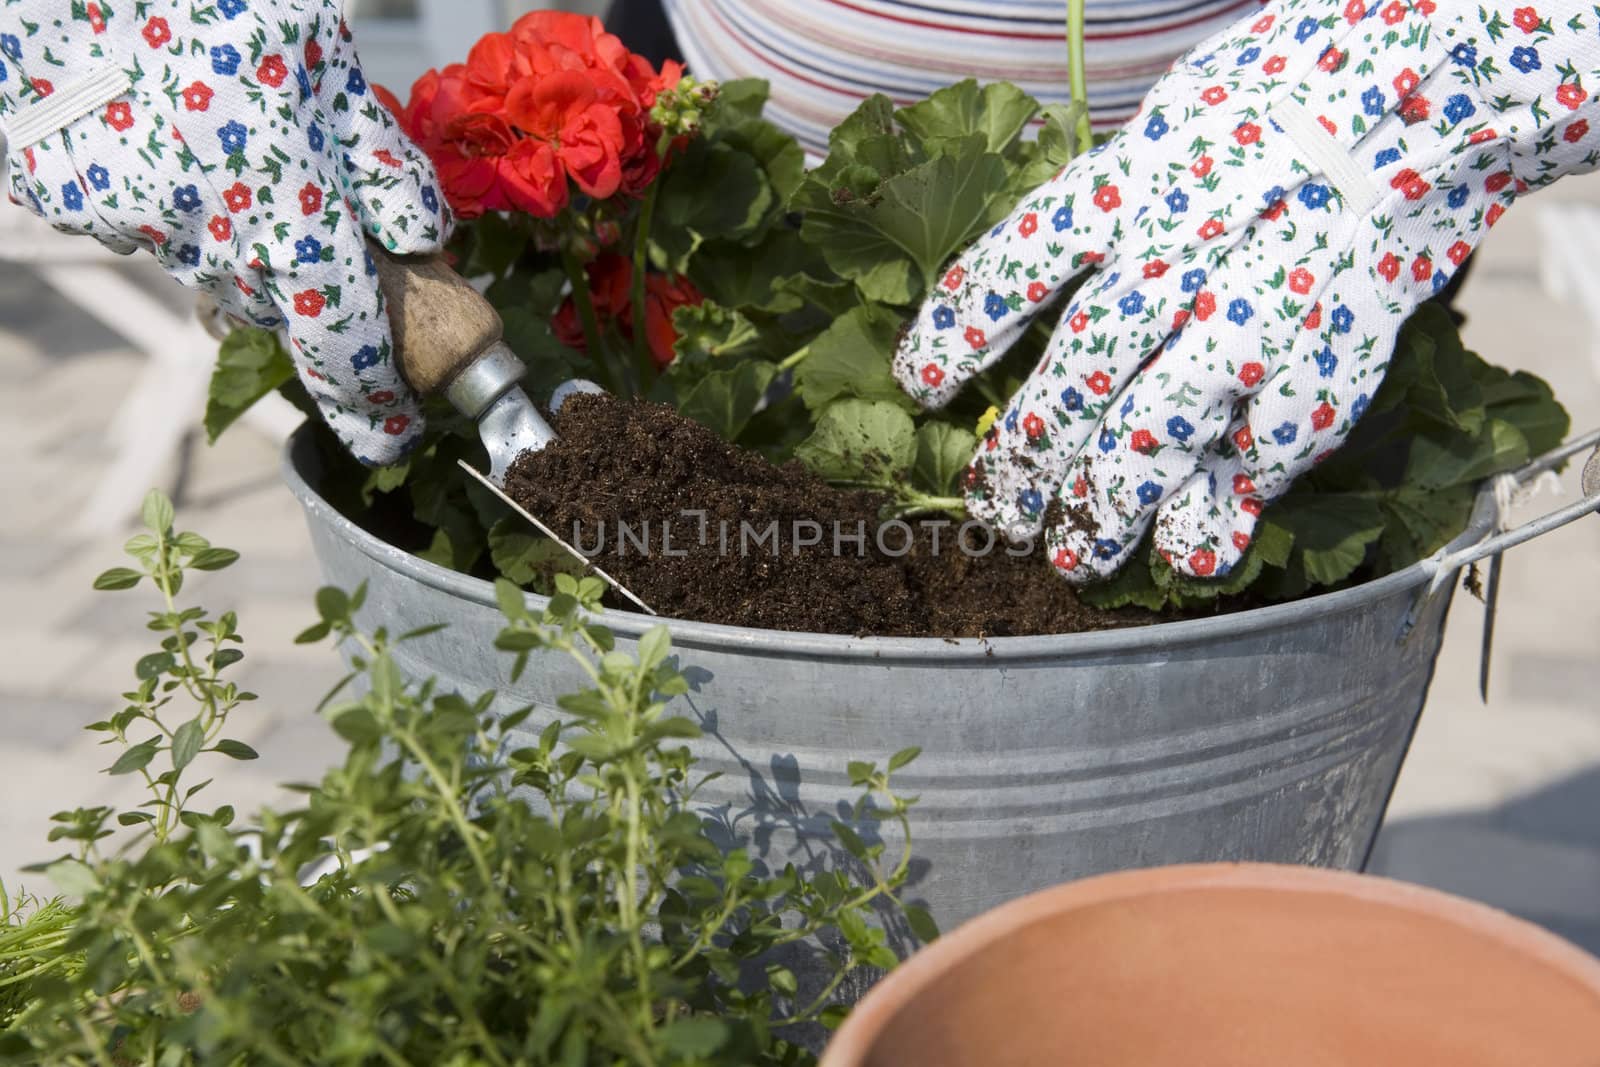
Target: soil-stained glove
x: 1288, y: 194
x: 240, y: 143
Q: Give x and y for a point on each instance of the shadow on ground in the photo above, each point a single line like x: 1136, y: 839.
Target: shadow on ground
x: 1537, y: 856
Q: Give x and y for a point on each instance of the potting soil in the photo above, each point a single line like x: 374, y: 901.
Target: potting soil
x: 701, y: 529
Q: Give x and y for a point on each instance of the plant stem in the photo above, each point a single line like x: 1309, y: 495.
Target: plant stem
x: 794, y: 359
x: 644, y: 364
x: 584, y: 302
x: 1079, y: 76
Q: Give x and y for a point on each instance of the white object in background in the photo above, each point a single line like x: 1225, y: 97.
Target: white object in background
x: 1569, y: 268
x: 168, y: 402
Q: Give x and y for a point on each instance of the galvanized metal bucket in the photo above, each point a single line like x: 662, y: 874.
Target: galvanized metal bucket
x: 1273, y: 734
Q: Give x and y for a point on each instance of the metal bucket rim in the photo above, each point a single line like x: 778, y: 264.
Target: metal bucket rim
x: 971, y: 651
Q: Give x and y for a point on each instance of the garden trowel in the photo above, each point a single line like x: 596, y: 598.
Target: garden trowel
x: 449, y: 340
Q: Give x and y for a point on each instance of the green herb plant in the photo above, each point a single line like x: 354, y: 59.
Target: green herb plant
x: 464, y: 889
x: 810, y: 275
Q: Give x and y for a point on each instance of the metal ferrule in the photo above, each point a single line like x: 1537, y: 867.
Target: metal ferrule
x: 485, y: 380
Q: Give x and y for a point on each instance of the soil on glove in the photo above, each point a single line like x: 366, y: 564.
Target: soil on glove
x: 622, y: 475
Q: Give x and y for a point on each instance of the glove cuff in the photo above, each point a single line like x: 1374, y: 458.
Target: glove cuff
x: 40, y: 118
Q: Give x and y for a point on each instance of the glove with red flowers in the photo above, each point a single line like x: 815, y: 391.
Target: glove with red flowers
x: 1288, y: 194
x: 241, y: 144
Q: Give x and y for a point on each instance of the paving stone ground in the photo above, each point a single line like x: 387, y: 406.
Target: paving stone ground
x: 1498, y: 801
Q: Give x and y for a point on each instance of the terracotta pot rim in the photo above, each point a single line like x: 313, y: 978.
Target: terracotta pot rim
x: 874, y: 1013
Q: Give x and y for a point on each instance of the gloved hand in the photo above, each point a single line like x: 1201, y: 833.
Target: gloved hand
x: 241, y: 144
x: 1288, y: 194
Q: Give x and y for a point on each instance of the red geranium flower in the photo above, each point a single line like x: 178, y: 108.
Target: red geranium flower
x: 309, y: 302
x: 156, y: 32
x: 272, y: 71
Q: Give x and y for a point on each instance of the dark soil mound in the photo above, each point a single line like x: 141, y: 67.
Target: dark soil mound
x: 700, y: 529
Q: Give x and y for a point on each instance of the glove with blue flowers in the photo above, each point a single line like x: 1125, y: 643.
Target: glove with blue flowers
x: 240, y: 143
x: 1288, y: 194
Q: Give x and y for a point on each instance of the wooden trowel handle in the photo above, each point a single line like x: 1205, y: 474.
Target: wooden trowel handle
x: 439, y: 322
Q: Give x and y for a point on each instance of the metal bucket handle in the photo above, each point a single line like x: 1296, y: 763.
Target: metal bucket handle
x: 1443, y: 565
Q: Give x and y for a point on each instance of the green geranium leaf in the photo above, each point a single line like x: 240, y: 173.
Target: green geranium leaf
x: 1441, y: 462
x: 943, y: 452
x: 725, y: 400
x: 861, y: 443
x: 250, y: 364
x: 893, y: 239
x: 852, y: 358
x: 1331, y: 531
x: 525, y: 556
x: 998, y: 111
x: 686, y: 216
x: 1421, y: 521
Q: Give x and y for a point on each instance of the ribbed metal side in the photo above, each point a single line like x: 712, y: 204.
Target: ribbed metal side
x: 1271, y: 735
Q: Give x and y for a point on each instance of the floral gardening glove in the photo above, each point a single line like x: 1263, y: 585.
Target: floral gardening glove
x: 241, y: 144
x: 1290, y: 191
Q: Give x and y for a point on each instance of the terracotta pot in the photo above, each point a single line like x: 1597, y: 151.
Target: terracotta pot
x: 1246, y: 965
